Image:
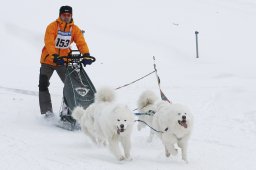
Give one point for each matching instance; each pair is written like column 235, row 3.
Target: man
column 58, row 37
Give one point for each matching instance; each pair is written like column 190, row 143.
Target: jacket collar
column 60, row 22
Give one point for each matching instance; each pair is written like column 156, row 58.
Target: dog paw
column 128, row 158
column 121, row 158
column 105, row 143
column 167, row 154
column 174, row 152
column 185, row 160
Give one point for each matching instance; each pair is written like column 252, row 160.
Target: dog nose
column 183, row 117
column 122, row 126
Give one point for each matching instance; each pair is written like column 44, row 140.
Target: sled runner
column 78, row 90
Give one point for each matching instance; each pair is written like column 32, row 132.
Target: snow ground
column 219, row 86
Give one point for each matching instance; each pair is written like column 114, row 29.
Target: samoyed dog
column 175, row 122
column 108, row 123
column 147, row 104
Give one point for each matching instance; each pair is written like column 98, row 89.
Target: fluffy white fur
column 107, row 122
column 146, row 103
column 175, row 121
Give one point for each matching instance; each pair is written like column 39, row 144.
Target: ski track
column 20, row 91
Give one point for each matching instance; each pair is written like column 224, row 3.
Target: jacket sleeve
column 49, row 38
column 80, row 41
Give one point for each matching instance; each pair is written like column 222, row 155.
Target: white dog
column 175, row 123
column 147, row 104
column 108, row 123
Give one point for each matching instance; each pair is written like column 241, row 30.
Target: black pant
column 46, row 72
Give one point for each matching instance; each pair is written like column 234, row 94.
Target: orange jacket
column 50, row 36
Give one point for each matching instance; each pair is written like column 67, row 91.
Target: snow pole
column 197, row 55
column 163, row 97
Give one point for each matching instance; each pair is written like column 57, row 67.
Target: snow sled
column 78, row 90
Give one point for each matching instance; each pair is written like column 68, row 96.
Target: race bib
column 63, row 39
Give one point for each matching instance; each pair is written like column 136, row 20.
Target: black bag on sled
column 78, row 88
column 78, row 91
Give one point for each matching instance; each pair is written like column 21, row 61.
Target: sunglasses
column 66, row 15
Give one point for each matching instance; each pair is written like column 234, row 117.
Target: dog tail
column 78, row 113
column 146, row 98
column 105, row 94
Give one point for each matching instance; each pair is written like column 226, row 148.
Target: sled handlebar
column 76, row 58
column 73, row 56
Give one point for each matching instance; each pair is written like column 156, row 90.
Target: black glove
column 87, row 59
column 58, row 60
